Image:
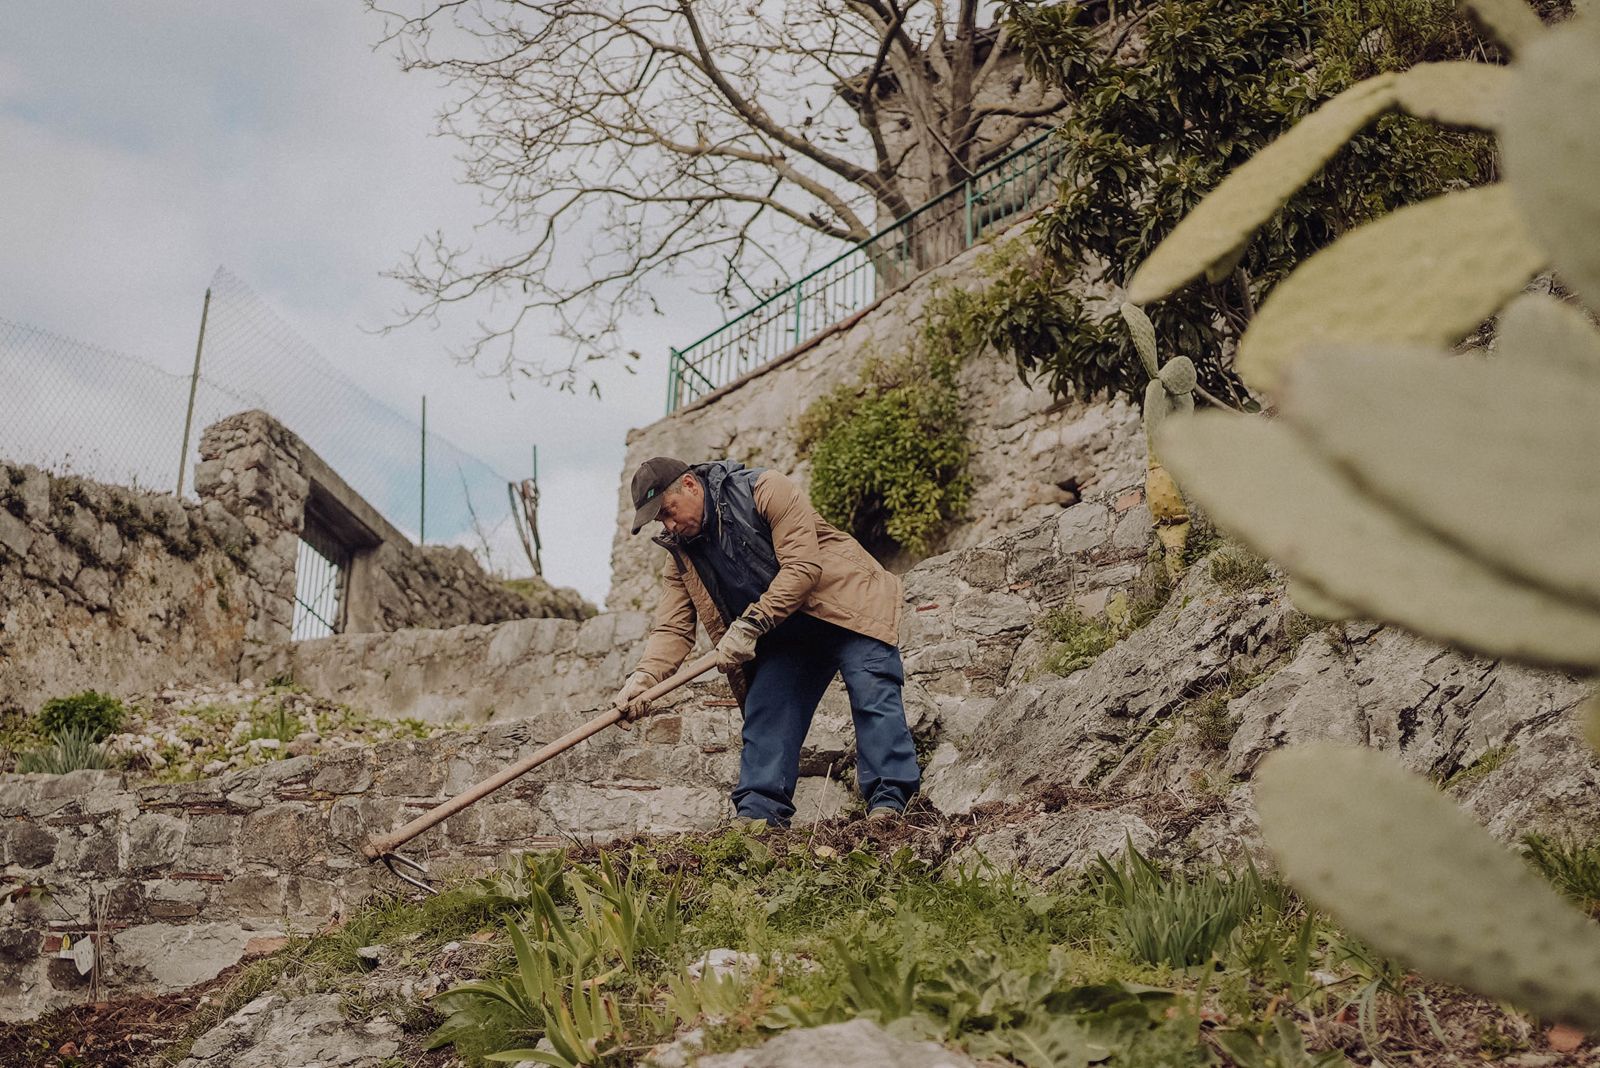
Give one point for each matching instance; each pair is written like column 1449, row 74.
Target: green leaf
column 1552, row 150
column 537, row 1056
column 1252, row 194
column 1519, row 490
column 1457, row 94
column 1405, row 869
column 1260, row 480
column 1144, row 337
column 1426, row 274
column 1511, row 22
column 1539, row 329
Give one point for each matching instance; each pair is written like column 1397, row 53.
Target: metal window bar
column 321, row 574
column 1019, row 182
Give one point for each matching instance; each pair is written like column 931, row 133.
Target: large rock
column 857, row 1043
column 307, row 1032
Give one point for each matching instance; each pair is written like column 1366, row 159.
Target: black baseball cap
column 649, row 482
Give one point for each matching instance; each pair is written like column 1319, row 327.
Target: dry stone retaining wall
column 103, row 586
column 1027, row 448
column 102, row 583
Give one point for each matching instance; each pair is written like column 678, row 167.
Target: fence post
column 672, row 379
column 194, row 382
column 422, row 510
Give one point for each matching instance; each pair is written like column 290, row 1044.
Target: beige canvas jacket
column 822, row 571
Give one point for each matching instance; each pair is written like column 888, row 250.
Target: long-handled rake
column 384, row 848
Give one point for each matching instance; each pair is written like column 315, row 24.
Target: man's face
column 682, row 508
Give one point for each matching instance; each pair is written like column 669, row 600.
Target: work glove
column 738, row 644
column 630, row 700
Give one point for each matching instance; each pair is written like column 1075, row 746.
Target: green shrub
column 889, row 453
column 70, row 749
column 97, row 714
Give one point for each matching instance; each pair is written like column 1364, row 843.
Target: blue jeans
column 793, row 665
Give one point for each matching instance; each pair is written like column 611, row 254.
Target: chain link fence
column 81, row 409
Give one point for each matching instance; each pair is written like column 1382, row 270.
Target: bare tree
column 618, row 141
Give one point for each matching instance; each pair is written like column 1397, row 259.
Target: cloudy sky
column 142, row 146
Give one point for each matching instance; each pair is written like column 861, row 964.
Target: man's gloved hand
column 738, row 644
column 629, row 699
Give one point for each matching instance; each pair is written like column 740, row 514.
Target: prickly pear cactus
column 1369, row 486
column 1399, row 864
column 1170, row 392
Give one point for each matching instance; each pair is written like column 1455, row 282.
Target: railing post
column 672, row 380
column 966, row 195
column 799, row 302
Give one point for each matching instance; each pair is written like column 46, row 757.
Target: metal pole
column 422, row 533
column 194, row 382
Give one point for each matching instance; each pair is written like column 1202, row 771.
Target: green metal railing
column 927, row 237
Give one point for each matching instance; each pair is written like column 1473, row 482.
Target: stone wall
column 202, row 874
column 264, row 473
column 107, row 587
column 101, row 583
column 1031, row 454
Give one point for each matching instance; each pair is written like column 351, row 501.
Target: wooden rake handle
column 376, row 848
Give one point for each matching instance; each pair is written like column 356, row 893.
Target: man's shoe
column 885, row 814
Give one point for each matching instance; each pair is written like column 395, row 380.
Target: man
column 790, row 601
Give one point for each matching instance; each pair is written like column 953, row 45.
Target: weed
column 70, row 749
column 1236, row 569
column 1213, row 727
column 1572, row 865
column 1178, row 921
column 1079, row 639
column 1491, row 759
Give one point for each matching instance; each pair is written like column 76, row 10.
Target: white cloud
column 146, row 146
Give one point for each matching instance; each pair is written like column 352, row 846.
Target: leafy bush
column 70, row 749
column 96, row 714
column 889, row 451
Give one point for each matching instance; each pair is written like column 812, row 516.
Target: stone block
column 251, row 894
column 983, row 569
column 27, row 845
column 15, row 537
column 993, row 613
column 1134, row 529
column 282, row 835
column 343, row 775
column 1083, row 528
column 154, row 841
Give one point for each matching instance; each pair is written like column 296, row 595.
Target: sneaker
column 885, row 814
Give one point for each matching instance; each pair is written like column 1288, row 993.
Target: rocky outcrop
column 273, row 1031
column 1167, row 727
